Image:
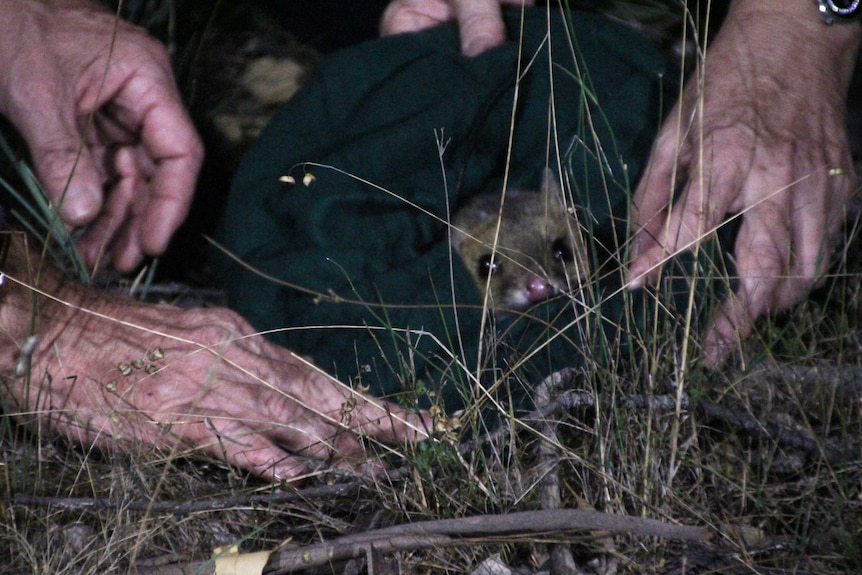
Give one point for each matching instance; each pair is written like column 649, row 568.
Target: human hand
column 765, row 139
column 95, row 99
column 113, row 372
column 480, row 21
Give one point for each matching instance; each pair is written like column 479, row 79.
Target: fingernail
column 473, row 47
column 128, row 261
column 79, row 205
column 635, row 247
column 88, row 251
column 715, row 349
column 478, row 44
column 637, row 279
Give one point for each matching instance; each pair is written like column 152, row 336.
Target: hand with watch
column 760, row 136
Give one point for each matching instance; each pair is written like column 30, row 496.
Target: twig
column 562, row 562
column 342, row 490
column 744, row 421
column 847, row 381
column 479, row 530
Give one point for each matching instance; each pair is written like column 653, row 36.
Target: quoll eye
column 487, row 267
column 562, row 251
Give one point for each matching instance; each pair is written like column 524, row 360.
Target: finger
column 96, row 242
column 110, row 131
column 167, row 141
column 762, row 258
column 818, row 217
column 481, row 25
column 701, row 207
column 65, row 166
column 650, row 204
column 135, row 170
column 403, row 16
column 173, row 145
column 344, row 442
column 314, row 437
column 729, row 324
column 810, row 232
column 244, row 447
column 389, row 423
column 364, row 465
column 341, row 406
column 323, row 433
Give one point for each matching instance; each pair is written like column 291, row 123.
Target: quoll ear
column 456, row 238
column 551, row 186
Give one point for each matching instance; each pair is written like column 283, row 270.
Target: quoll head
column 540, row 252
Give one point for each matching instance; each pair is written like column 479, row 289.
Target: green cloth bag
column 403, row 129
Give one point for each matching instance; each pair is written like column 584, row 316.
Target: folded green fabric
column 407, row 128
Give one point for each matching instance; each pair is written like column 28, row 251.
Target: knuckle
column 55, row 155
column 216, row 326
column 196, row 151
column 696, row 224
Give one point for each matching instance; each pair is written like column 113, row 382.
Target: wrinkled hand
column 765, row 139
column 67, row 63
column 204, row 383
column 480, row 21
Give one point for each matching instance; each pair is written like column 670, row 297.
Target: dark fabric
column 327, row 25
column 407, row 127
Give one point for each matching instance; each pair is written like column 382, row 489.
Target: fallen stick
column 478, row 530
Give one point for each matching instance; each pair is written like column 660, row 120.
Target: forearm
column 24, row 312
column 60, row 346
column 63, row 348
column 37, row 304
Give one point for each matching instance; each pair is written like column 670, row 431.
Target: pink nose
column 538, row 289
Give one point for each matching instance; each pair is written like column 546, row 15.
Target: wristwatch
column 839, row 10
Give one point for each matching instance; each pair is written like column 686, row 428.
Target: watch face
column 843, row 8
column 839, row 10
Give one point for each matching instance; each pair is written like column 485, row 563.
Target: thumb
column 481, row 25
column 67, row 171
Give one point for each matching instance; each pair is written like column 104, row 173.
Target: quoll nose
column 538, row 289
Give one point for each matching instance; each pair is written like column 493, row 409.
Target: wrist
column 772, row 29
column 805, row 14
column 29, row 318
column 57, row 356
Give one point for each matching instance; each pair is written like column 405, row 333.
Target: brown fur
column 539, row 246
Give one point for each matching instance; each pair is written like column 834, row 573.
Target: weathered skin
column 479, row 21
column 111, row 142
column 206, row 382
column 760, row 134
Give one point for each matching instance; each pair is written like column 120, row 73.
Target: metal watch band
column 839, row 10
